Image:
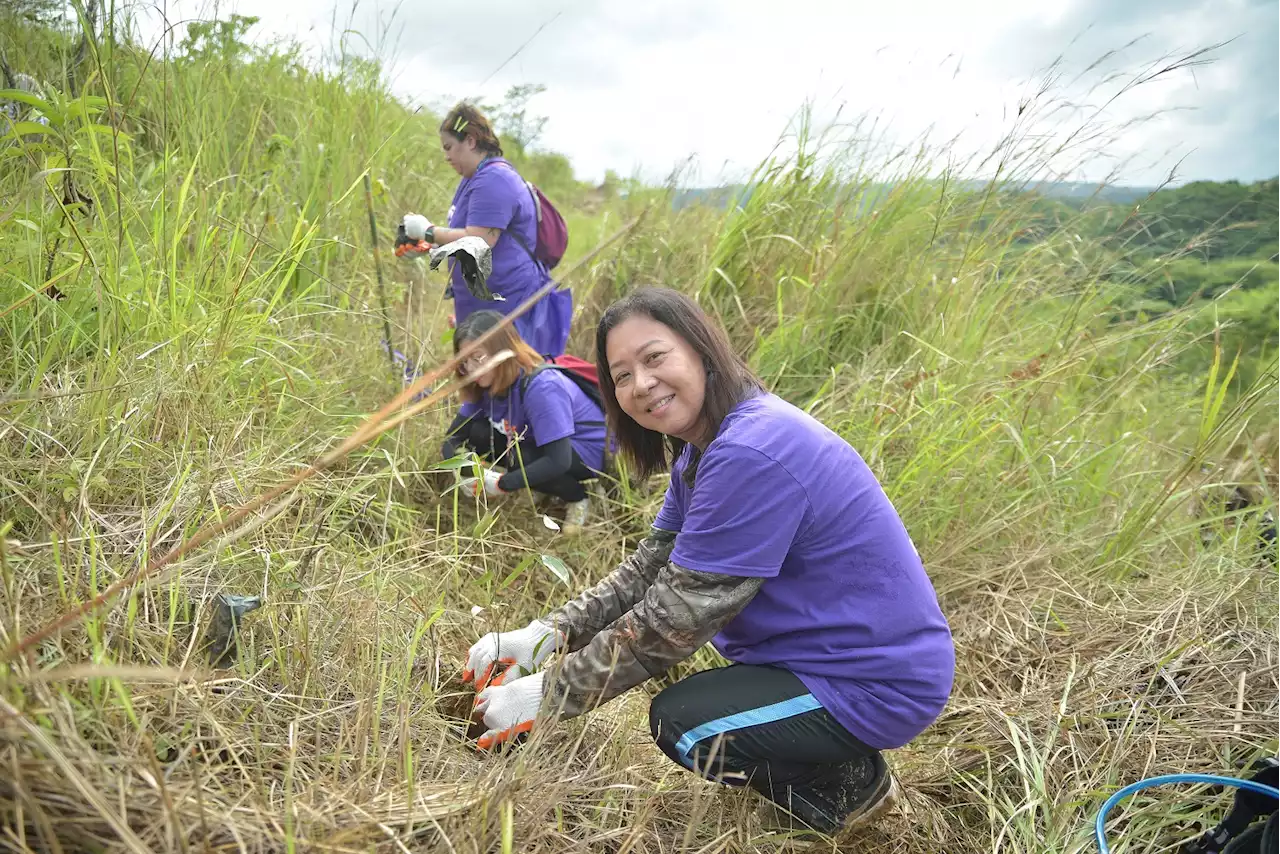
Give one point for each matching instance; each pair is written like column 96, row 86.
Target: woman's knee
column 478, row 434
column 675, row 715
column 678, row 709
column 660, row 720
column 483, row 439
column 665, row 724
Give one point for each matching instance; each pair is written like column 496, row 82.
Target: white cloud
column 641, row 87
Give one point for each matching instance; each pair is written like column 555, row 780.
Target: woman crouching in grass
column 776, row 544
column 527, row 417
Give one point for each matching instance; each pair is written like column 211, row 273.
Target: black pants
column 492, row 444
column 759, row 727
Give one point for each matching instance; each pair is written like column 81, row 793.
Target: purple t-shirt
column 847, row 605
column 553, row 408
column 496, row 197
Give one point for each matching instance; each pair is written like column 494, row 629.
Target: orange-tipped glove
column 503, row 657
column 509, row 710
column 488, row 484
column 412, row 239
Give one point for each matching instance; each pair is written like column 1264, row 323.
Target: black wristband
column 430, row 235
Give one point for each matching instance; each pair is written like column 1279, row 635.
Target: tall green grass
column 220, row 326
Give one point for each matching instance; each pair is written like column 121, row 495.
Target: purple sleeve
column 671, row 516
column 492, row 203
column 468, row 409
column 744, row 515
column 549, row 409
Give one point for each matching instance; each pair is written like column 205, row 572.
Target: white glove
column 521, row 651
column 411, row 236
column 509, row 710
column 488, row 483
column 415, row 226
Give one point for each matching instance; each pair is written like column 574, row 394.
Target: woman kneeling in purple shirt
column 776, row 544
column 529, row 417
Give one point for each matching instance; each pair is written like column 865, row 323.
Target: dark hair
column 729, row 380
column 504, row 375
column 465, row 120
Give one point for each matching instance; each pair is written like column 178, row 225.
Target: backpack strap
column 1247, row 807
column 525, row 246
column 529, row 375
column 607, row 455
column 1260, row 837
column 537, row 218
column 1270, row 834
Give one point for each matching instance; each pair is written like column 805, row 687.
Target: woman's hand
column 411, row 236
column 486, row 483
column 511, row 654
column 509, row 709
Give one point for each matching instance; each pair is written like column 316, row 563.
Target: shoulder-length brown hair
column 505, row 374
column 729, row 380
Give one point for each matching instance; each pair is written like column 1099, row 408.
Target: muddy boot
column 575, row 516
column 852, row 796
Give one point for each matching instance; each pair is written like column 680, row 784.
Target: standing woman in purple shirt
column 776, row 544
column 493, row 202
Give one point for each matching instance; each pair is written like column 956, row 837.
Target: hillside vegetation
column 1065, row 407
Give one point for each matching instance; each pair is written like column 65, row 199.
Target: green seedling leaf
column 520, row 569
column 557, row 567
column 537, row 648
column 452, row 464
column 484, row 524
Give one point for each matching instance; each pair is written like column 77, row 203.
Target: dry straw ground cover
column 218, row 330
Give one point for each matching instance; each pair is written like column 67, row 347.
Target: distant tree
column 222, row 39
column 550, row 171
column 513, row 120
column 611, row 185
column 1241, row 217
column 35, row 11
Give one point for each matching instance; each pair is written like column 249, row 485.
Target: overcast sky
column 642, row 87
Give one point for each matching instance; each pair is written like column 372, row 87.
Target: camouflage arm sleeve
column 679, row 613
column 596, row 608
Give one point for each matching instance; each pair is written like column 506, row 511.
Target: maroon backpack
column 553, row 233
column 582, row 372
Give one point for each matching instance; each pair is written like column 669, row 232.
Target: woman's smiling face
column 659, row 379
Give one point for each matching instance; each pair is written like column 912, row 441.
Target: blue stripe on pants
column 742, row 720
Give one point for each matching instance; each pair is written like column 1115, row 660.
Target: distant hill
column 1078, row 191
column 1082, row 190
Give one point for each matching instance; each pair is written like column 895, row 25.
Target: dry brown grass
column 336, row 732
column 1037, row 445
